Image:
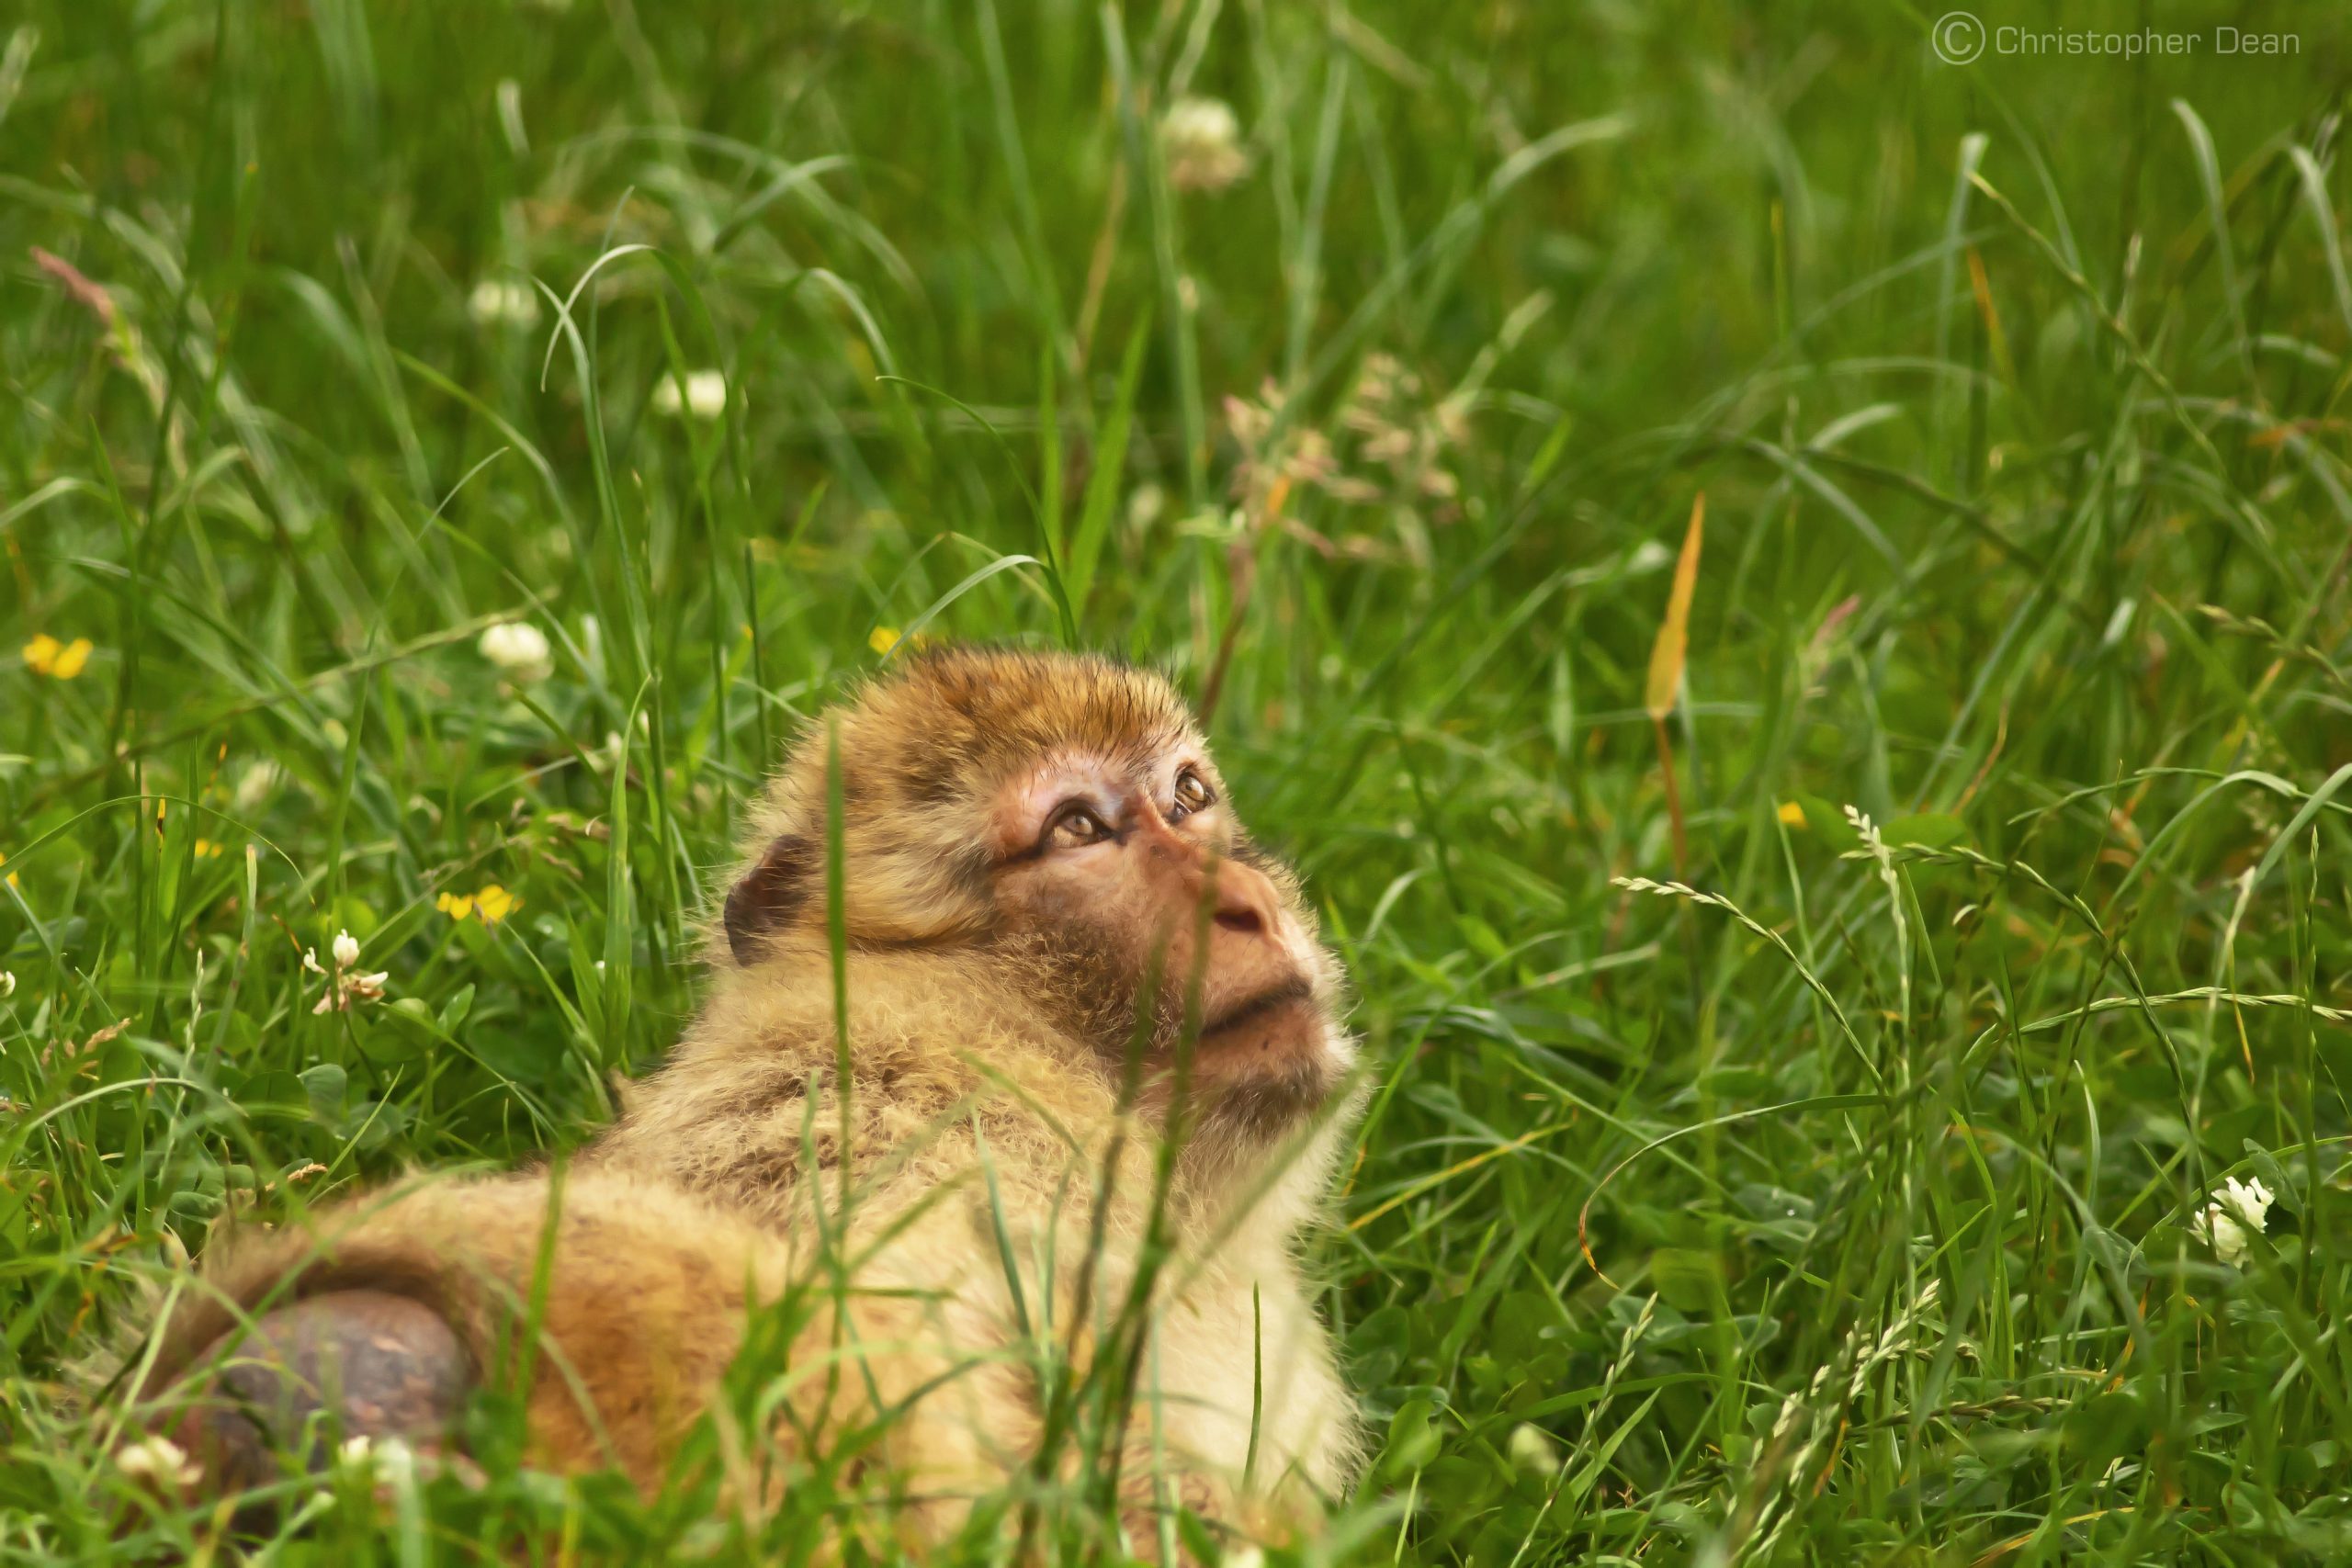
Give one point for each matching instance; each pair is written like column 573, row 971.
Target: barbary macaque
column 1097, row 1076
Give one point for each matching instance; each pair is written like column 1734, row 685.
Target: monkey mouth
column 1263, row 1065
column 1262, row 1060
column 1260, row 1009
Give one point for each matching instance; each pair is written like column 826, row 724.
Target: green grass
column 1839, row 1216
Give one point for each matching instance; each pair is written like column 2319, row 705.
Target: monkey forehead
column 927, row 747
column 975, row 716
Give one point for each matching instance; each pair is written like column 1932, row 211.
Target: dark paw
column 316, row 1373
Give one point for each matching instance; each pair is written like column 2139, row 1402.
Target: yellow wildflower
column 1792, row 814
column 207, row 849
column 882, row 639
column 58, row 660
column 12, row 875
column 492, row 903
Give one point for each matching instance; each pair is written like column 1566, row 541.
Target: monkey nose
column 1244, row 901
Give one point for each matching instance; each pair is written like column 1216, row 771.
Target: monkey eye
column 1192, row 794
column 1075, row 826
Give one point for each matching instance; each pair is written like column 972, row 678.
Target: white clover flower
column 2219, row 1232
column 1145, row 506
column 2239, row 1209
column 346, row 985
column 705, row 394
column 503, row 301
column 386, row 1458
column 255, row 785
column 1533, row 1449
column 1201, row 139
column 7, row 985
column 349, row 989
column 520, row 651
column 158, row 1459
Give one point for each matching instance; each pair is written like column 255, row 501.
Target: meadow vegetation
column 1808, row 1164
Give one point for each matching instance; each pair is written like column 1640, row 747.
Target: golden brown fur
column 984, row 1116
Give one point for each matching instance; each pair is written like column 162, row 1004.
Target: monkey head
column 1061, row 819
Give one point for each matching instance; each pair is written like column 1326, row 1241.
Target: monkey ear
column 768, row 895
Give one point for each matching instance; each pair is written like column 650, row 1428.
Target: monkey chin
column 1267, row 1064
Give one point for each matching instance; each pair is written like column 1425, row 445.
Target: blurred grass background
column 1849, row 1223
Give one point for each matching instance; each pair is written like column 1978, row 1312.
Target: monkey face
column 1112, row 867
column 1060, row 817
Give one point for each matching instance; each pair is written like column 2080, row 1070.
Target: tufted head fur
column 924, row 750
